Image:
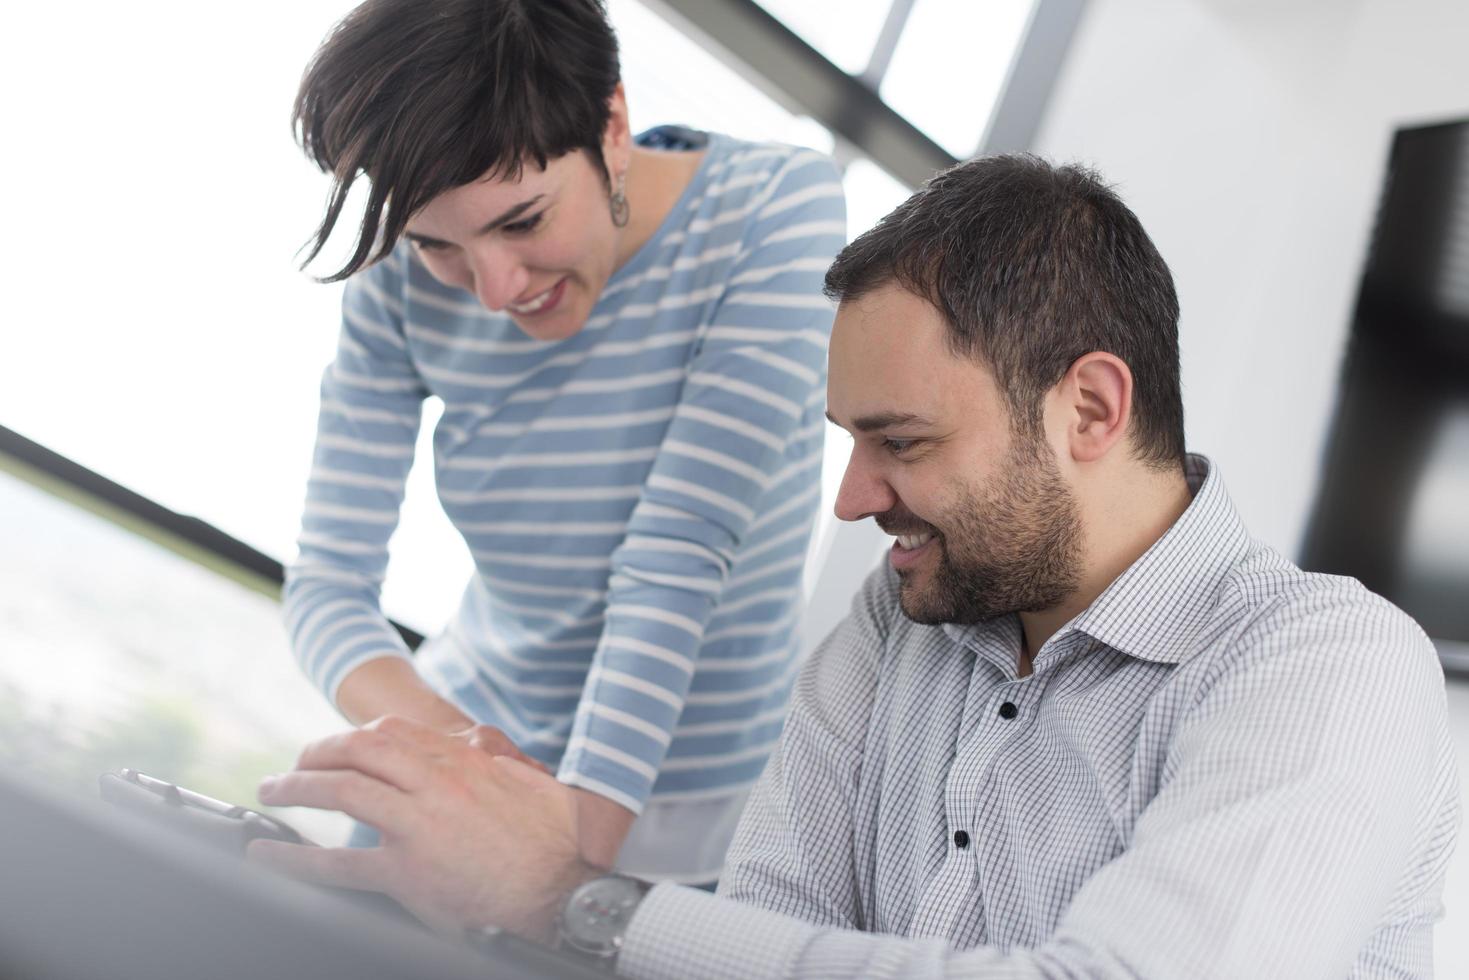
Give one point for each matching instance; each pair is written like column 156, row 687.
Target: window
column 847, row 40
column 163, row 335
column 950, row 67
column 145, row 662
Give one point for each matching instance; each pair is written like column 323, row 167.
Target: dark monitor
column 1393, row 504
column 89, row 892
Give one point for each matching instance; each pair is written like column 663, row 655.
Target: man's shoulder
column 1303, row 622
column 1273, row 592
column 875, row 643
column 872, row 617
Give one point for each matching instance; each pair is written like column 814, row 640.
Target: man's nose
column 863, row 492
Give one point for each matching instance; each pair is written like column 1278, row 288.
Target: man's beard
column 1012, row 546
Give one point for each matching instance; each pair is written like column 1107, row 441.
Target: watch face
column 598, row 912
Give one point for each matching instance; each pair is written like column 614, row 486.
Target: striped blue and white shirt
column 1224, row 767
column 638, row 498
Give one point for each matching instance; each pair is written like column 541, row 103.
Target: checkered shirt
column 1224, row 767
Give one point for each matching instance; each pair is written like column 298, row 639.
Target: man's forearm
column 687, row 934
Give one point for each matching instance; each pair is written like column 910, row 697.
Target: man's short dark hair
column 1033, row 266
column 422, row 96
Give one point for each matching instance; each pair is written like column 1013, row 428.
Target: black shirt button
column 1008, row 711
column 961, row 839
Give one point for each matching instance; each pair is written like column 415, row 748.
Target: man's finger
column 369, row 800
column 338, row 867
column 384, row 754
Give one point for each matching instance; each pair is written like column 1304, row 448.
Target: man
column 1079, row 724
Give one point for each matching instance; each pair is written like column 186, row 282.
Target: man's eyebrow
column 883, row 420
column 488, row 226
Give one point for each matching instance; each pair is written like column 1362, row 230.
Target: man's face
column 985, row 523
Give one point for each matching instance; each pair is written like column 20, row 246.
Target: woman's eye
column 522, row 226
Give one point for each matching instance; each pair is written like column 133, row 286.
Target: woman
column 629, row 338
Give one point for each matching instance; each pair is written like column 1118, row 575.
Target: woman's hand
column 470, row 836
column 601, row 827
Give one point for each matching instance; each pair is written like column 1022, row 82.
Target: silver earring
column 618, row 202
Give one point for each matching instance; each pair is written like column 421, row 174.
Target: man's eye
column 897, row 446
column 522, row 226
column 429, row 246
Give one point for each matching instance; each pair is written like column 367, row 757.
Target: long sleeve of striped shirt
column 371, row 405
column 637, row 498
column 745, row 435
column 1224, row 767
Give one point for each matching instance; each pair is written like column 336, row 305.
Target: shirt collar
column 1154, row 610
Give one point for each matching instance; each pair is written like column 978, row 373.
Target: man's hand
column 490, row 740
column 468, row 838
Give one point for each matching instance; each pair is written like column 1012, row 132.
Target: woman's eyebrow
column 509, row 215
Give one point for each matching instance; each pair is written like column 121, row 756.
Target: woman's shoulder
column 760, row 164
column 745, row 184
column 751, row 163
column 747, row 193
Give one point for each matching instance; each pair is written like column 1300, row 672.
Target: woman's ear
column 1094, row 402
column 617, row 137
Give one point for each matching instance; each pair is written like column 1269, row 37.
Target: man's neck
column 1120, row 521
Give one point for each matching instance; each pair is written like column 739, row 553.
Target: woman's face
column 539, row 248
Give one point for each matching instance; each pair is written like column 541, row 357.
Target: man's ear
column 1094, row 402
column 617, row 137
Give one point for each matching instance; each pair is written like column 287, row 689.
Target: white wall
column 1250, row 137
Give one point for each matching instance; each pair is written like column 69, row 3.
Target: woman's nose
column 499, row 278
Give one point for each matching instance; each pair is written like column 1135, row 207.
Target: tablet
column 204, row 818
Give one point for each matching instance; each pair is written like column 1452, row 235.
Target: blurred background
column 1303, row 166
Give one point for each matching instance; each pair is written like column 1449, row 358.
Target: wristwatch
column 595, row 917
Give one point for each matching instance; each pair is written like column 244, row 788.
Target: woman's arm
column 601, row 827
column 390, row 686
column 371, row 402
column 747, row 423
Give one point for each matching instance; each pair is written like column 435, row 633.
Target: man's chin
column 916, row 604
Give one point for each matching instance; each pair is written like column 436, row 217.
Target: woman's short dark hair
column 1034, row 266
column 422, row 96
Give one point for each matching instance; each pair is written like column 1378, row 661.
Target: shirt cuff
column 679, row 933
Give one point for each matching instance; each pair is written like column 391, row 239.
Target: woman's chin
column 557, row 328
